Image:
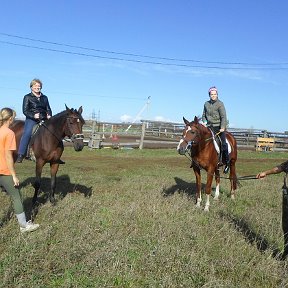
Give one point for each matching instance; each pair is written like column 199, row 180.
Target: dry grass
column 126, row 218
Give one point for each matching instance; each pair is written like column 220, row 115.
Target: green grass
column 126, row 218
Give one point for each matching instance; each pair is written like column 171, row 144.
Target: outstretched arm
column 274, row 170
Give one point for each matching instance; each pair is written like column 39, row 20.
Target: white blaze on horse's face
column 179, row 144
column 183, row 143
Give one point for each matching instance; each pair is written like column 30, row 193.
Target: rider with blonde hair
column 36, row 108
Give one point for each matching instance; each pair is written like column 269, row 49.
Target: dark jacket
column 214, row 114
column 32, row 105
column 284, row 166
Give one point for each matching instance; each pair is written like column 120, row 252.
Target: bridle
column 192, row 142
column 74, row 136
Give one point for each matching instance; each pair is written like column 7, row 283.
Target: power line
column 140, row 55
column 83, row 95
column 148, row 62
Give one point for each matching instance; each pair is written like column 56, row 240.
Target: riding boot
column 20, row 158
column 60, row 161
column 226, row 161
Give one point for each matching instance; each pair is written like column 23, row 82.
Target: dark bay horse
column 47, row 143
column 198, row 141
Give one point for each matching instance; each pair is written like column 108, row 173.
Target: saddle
column 30, row 154
column 218, row 146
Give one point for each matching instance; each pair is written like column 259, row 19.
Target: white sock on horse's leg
column 217, row 192
column 207, row 204
column 198, row 203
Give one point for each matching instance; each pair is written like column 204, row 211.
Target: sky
column 126, row 60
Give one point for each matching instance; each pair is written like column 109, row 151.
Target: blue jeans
column 28, row 127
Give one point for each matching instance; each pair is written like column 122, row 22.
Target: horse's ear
column 80, row 110
column 67, row 107
column 185, row 121
column 196, row 120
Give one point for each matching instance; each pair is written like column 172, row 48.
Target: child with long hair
column 8, row 177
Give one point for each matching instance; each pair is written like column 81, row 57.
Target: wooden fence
column 155, row 134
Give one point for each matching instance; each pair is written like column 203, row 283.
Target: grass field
column 127, row 218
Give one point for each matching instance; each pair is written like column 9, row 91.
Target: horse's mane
column 65, row 113
column 199, row 125
column 60, row 114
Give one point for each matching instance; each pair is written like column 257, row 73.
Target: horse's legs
column 198, row 186
column 53, row 170
column 217, row 189
column 208, row 189
column 37, row 183
column 233, row 180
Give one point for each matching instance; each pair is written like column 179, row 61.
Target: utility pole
column 139, row 113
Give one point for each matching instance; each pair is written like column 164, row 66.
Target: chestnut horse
column 198, row 141
column 47, row 143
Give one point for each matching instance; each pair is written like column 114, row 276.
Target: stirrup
column 20, row 158
column 226, row 168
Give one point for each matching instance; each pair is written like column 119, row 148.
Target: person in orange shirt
column 8, row 177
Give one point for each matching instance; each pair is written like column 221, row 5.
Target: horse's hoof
column 206, row 209
column 216, row 198
column 233, row 197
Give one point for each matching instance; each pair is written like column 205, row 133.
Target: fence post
column 142, row 136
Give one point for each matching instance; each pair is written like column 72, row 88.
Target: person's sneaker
column 20, row 158
column 29, row 227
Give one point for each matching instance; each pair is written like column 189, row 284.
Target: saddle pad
column 217, row 146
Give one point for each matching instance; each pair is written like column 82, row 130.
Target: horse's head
column 190, row 136
column 73, row 127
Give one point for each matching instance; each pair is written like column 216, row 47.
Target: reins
column 213, row 136
column 42, row 123
column 73, row 137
